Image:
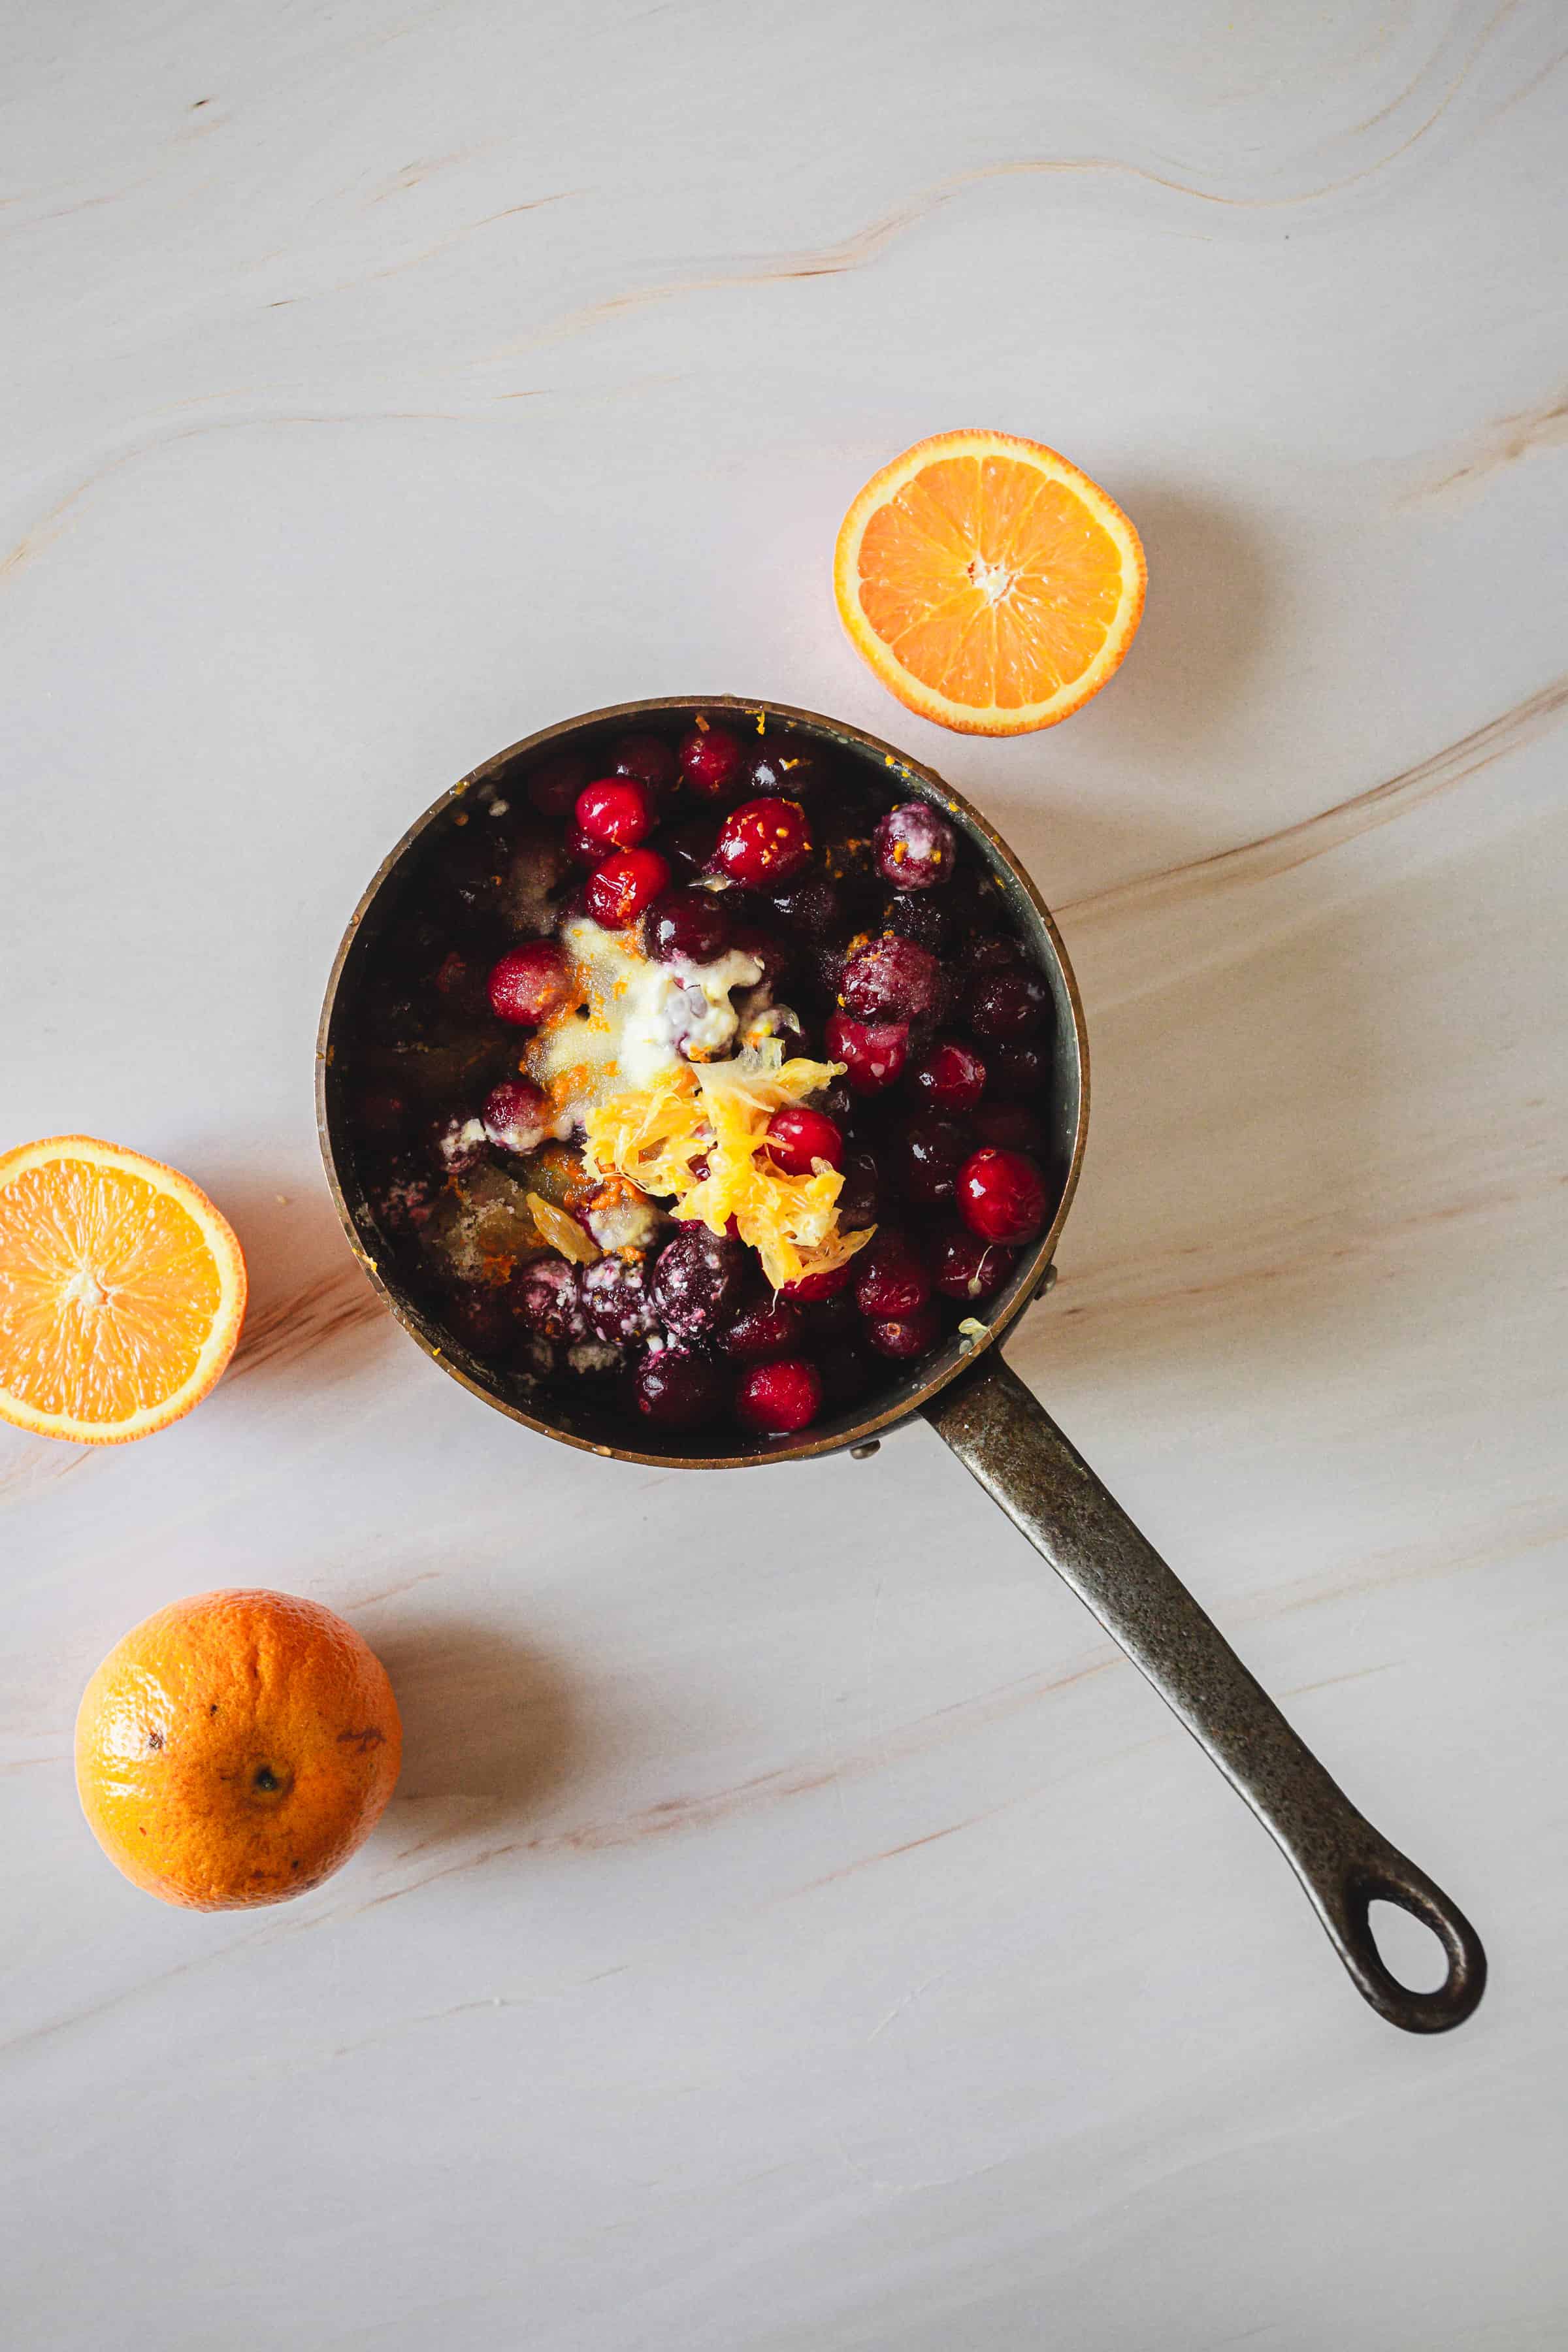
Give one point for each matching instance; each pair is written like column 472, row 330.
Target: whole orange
column 236, row 1749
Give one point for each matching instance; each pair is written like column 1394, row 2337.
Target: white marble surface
column 794, row 1927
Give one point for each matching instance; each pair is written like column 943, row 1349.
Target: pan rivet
column 1048, row 1280
column 864, row 1452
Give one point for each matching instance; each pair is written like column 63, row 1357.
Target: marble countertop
column 795, row 1927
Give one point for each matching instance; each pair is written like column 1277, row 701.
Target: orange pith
column 991, row 586
column 121, row 1291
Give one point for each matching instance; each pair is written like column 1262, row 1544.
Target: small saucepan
column 967, row 1392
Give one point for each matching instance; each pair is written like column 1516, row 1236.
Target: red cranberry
column 689, row 847
column 891, row 980
column 915, row 847
column 676, row 1390
column 779, row 1398
column 1002, row 1196
column 553, row 788
column 859, row 1194
column 647, row 757
column 624, row 885
column 529, row 983
column 687, row 926
column 796, row 1137
column 515, row 1116
column 890, row 1279
column 1012, row 1127
column 790, row 764
column 1018, row 1070
column 617, row 812
column 811, row 908
column 903, row 1336
column 931, row 1152
column 873, row 1053
column 713, row 762
column 967, row 1267
column 810, row 1289
column 918, row 916
column 582, row 846
column 951, row 1076
column 697, row 1281
column 772, row 1329
column 763, row 841
column 617, row 1303
column 1008, row 1004
column 548, row 1296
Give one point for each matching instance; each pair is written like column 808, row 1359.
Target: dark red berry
column 965, row 1266
column 697, row 1281
column 515, row 1116
column 616, row 1301
column 770, row 1330
column 713, row 762
column 1011, row 1126
column 812, row 908
column 688, row 926
column 903, row 1336
column 647, row 758
column 950, row 1076
column 528, row 982
column 1009, row 1002
column 582, row 846
column 812, row 1288
column 932, row 1150
column 553, row 788
column 764, row 947
column 763, row 843
column 797, row 1137
column 620, row 888
column 458, row 1144
column 790, row 764
column 689, row 847
column 859, row 1194
column 1018, row 1070
column 919, row 915
column 915, row 847
column 891, row 979
column 1001, row 1195
column 676, row 1390
column 873, row 1053
column 548, row 1296
column 617, row 812
column 779, row 1398
column 990, row 951
column 890, row 1279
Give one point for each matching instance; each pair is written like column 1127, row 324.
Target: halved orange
column 992, row 586
column 121, row 1291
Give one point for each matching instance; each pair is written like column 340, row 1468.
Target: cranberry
column 548, row 1296
column 624, row 885
column 811, row 908
column 515, row 1116
column 697, row 1281
column 933, row 1150
column 891, row 980
column 873, row 1053
column 835, row 1101
column 456, row 1146
column 890, row 1279
column 765, row 949
column 770, row 1330
column 553, row 788
column 676, row 1390
column 528, row 982
column 1009, row 1002
column 687, row 925
column 796, row 1137
column 1018, row 1070
column 647, row 758
column 1011, row 1126
column 582, row 846
column 845, row 1375
column 812, row 1288
column 967, row 1267
column 991, row 951
column 903, row 1336
column 1002, row 1196
column 787, row 764
column 763, row 841
column 713, row 762
column 858, row 1194
column 779, row 1398
column 951, row 1076
column 689, row 847
column 920, row 918
column 915, row 847
column 617, row 1303
column 617, row 812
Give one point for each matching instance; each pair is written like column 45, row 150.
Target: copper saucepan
column 967, row 1393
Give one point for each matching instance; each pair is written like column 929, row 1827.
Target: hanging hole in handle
column 1413, row 1953
column 1389, row 1880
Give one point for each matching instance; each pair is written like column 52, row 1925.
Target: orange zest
column 992, row 586
column 122, row 1292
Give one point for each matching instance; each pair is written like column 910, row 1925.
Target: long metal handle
column 1010, row 1443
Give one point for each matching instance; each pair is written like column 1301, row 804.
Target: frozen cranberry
column 916, row 915
column 763, row 841
column 647, row 757
column 811, row 908
column 990, row 951
column 903, row 1336
column 873, row 1053
column 965, row 1266
column 620, row 888
column 1018, row 1070
column 790, row 764
column 697, row 1281
column 859, row 1193
column 1011, row 1126
column 676, row 1390
column 950, row 1076
column 889, row 1277
column 553, row 788
column 846, row 1375
column 1002, row 1195
column 515, row 1116
column 689, row 848
column 687, row 925
column 548, row 1296
column 932, row 1150
column 617, row 812
column 891, row 980
column 915, row 847
column 528, row 982
column 616, row 1301
column 1009, row 1002
column 779, row 1398
column 458, row 1144
column 772, row 1329
column 713, row 762
column 812, row 1288
column 797, row 1137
